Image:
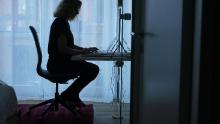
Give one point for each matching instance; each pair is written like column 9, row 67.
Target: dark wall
column 187, row 57
column 209, row 65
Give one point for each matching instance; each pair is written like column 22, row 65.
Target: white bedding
column 8, row 102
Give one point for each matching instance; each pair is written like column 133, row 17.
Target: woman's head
column 68, row 9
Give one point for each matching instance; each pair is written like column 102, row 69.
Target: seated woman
column 61, row 47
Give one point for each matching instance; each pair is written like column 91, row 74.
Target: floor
column 108, row 113
column 105, row 113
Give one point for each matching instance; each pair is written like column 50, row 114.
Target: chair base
column 54, row 106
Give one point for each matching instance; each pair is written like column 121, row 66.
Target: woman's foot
column 72, row 105
column 69, row 103
column 75, row 100
column 79, row 103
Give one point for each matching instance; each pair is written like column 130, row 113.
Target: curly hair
column 65, row 7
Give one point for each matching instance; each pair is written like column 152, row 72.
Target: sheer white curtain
column 95, row 26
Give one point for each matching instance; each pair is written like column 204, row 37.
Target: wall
column 156, row 69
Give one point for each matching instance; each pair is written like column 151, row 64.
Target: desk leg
column 117, row 102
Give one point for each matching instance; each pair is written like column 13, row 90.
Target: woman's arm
column 78, row 47
column 63, row 47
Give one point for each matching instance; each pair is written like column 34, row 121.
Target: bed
column 8, row 105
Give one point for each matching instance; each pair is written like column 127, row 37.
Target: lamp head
column 120, row 2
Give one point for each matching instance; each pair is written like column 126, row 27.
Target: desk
column 119, row 58
column 103, row 57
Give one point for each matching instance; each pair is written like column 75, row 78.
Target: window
column 95, row 26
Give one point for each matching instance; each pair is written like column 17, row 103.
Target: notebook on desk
column 103, row 55
column 106, row 53
column 99, row 53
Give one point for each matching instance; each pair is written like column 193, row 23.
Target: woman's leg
column 86, row 72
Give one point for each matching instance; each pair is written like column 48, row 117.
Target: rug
column 63, row 116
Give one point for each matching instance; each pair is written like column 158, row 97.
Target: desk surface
column 103, row 57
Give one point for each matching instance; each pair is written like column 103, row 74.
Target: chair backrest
column 39, row 69
column 56, row 78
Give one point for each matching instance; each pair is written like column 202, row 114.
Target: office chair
column 57, row 79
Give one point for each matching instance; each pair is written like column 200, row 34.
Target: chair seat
column 55, row 78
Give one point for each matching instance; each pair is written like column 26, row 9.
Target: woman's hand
column 93, row 49
column 89, row 50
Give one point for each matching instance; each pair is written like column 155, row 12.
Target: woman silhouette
column 61, row 47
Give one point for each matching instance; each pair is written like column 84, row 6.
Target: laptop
column 100, row 53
